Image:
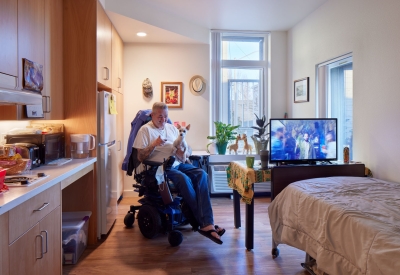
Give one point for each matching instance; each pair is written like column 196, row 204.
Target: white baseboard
column 130, row 193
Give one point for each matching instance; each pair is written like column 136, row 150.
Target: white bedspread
column 350, row 225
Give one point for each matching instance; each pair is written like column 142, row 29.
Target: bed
column 349, row 225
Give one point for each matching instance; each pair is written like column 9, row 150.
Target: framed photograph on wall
column 301, row 90
column 171, row 94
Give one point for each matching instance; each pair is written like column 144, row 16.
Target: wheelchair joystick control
column 168, row 163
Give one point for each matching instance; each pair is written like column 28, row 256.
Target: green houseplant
column 260, row 139
column 224, row 133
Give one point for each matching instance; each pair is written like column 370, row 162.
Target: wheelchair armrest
column 152, row 163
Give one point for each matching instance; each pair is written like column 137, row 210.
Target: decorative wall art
column 171, row 94
column 301, row 90
column 147, row 88
column 197, row 84
column 33, row 76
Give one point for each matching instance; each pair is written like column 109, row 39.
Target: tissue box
column 75, row 227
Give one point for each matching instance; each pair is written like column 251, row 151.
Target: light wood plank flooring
column 126, row 251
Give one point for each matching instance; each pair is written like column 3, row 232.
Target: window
column 239, row 79
column 335, row 97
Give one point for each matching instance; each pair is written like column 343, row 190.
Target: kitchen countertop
column 66, row 174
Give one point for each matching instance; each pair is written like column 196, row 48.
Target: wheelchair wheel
column 175, row 238
column 149, row 221
column 129, row 219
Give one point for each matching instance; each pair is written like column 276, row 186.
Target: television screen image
column 303, row 140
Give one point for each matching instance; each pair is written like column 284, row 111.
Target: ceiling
column 189, row 21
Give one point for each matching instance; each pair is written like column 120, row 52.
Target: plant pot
column 260, row 144
column 221, row 148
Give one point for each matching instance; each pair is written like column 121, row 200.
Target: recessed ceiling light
column 141, row 34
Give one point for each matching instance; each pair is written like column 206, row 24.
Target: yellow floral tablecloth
column 241, row 178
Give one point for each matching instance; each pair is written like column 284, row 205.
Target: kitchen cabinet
column 104, row 36
column 30, row 33
column 38, row 251
column 117, row 57
column 53, row 92
column 35, row 235
column 4, row 256
column 8, row 45
column 34, row 31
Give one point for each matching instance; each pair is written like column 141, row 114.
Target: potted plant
column 260, row 139
column 224, row 133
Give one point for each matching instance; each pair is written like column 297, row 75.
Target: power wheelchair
column 154, row 216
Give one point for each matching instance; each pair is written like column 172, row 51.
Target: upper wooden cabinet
column 53, row 91
column 104, row 34
column 34, row 31
column 117, row 57
column 8, row 35
column 30, row 34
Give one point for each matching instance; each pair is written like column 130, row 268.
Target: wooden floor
column 126, row 251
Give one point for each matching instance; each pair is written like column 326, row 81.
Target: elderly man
column 154, row 142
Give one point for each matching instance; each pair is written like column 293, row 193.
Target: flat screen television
column 302, row 140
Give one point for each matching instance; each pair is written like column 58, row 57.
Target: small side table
column 241, row 179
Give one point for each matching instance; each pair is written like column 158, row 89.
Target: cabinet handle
column 120, row 145
column 43, row 206
column 41, row 249
column 119, row 82
column 49, row 106
column 45, row 231
column 107, row 74
column 48, row 103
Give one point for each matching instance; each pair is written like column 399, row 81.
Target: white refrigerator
column 106, row 163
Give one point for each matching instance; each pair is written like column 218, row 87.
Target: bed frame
column 282, row 176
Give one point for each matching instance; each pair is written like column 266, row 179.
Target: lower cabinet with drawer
column 35, row 235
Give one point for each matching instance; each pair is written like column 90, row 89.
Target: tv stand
column 283, row 175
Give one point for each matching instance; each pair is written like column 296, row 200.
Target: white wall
column 370, row 30
column 278, row 100
column 168, row 63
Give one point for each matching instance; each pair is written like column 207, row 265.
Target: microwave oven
column 51, row 146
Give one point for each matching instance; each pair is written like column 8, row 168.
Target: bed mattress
column 350, row 225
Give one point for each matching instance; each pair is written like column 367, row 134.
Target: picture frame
column 301, row 90
column 171, row 94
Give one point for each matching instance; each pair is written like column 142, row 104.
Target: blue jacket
column 142, row 117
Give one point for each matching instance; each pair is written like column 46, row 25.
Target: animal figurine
column 247, row 149
column 180, row 143
column 235, row 146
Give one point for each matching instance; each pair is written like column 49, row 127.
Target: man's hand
column 145, row 152
column 158, row 142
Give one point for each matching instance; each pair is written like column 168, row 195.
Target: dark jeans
column 192, row 183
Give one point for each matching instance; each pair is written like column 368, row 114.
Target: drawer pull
column 45, row 231
column 43, row 206
column 41, row 249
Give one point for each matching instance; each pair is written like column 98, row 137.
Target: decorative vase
column 221, row 148
column 260, row 144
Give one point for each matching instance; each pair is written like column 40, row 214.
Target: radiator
column 219, row 182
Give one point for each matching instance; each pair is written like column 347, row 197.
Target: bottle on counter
column 346, row 154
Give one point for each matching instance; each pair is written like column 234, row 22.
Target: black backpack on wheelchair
column 154, row 215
